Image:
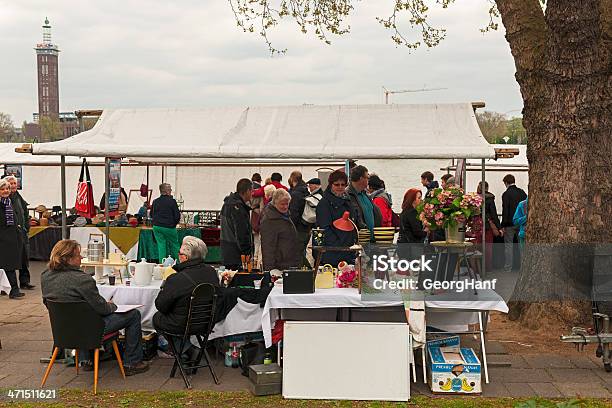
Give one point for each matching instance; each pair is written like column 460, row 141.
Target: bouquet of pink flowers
column 448, row 207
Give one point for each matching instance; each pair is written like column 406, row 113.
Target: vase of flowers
column 450, row 209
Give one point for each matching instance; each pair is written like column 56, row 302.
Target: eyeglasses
column 339, row 184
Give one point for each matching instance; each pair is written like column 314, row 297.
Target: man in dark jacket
column 367, row 214
column 427, row 180
column 22, row 219
column 299, row 192
column 172, row 302
column 165, row 214
column 236, row 233
column 510, row 200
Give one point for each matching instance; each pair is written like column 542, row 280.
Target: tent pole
column 347, row 167
column 106, row 199
column 63, row 188
column 484, row 222
column 147, row 196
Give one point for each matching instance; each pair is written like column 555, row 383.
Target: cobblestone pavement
column 25, row 334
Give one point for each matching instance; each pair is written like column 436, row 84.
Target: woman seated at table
column 332, row 206
column 172, row 302
column 279, row 243
column 64, row 281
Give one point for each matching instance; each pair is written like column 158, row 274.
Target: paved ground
column 26, row 337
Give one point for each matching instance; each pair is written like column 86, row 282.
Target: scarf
column 368, row 209
column 9, row 214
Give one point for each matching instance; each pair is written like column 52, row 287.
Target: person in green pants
column 165, row 215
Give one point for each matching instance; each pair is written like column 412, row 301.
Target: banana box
column 453, row 369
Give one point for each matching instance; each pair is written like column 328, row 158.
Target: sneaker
column 17, row 296
column 27, row 286
column 136, row 369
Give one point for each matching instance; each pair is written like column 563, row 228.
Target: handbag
column 250, row 354
column 84, row 199
column 255, row 219
column 494, row 228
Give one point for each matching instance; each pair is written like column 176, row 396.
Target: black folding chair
column 200, row 322
column 75, row 325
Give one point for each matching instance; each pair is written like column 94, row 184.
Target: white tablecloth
column 5, row 285
column 81, row 235
column 134, row 295
column 349, row 297
column 243, row 318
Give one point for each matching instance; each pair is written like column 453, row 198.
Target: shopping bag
column 84, row 199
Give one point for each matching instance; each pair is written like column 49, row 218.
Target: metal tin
column 95, row 251
column 265, row 374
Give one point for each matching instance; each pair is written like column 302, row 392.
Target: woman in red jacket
column 381, row 198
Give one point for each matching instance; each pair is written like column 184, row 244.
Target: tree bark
column 563, row 68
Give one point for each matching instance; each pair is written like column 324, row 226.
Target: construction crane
column 388, row 92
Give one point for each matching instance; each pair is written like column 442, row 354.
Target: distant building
column 48, row 93
column 48, row 84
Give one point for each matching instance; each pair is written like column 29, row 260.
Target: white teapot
column 142, row 272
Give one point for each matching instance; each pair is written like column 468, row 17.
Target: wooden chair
column 200, row 322
column 75, row 325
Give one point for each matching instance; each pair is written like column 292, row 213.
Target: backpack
column 395, row 219
column 309, row 216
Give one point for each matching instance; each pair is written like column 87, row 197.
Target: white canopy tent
column 443, row 131
column 284, row 132
column 433, row 131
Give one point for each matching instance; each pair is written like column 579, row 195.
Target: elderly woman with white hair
column 172, row 302
column 20, row 206
column 11, row 240
column 166, row 215
column 279, row 241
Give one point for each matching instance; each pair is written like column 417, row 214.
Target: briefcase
column 298, row 281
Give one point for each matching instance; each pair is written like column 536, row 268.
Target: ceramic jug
column 142, row 272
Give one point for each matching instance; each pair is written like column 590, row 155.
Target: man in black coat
column 172, row 302
column 236, row 232
column 510, row 200
column 173, row 299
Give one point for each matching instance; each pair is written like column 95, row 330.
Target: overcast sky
column 190, row 53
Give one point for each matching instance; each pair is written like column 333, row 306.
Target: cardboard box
column 453, row 369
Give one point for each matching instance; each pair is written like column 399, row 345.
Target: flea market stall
column 310, row 133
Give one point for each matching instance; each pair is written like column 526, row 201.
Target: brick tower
column 48, row 85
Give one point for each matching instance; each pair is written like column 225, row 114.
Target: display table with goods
column 244, row 317
column 42, row 240
column 444, row 312
column 147, row 246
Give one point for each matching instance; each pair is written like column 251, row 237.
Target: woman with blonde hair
column 11, row 240
column 279, row 240
column 64, row 281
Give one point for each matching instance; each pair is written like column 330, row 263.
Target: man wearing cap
column 314, row 184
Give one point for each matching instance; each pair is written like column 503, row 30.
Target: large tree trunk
column 563, row 67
